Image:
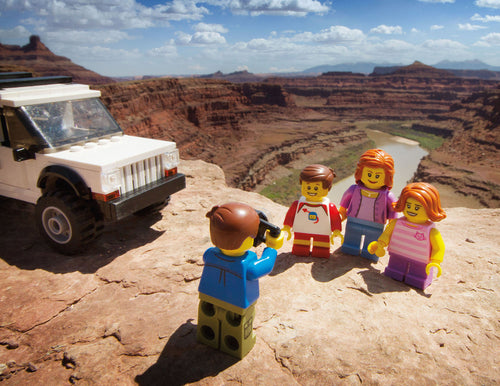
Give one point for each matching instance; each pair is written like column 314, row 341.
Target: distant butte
column 35, row 57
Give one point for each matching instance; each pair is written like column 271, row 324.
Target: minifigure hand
column 286, row 229
column 275, row 242
column 376, row 247
column 433, row 265
column 337, row 234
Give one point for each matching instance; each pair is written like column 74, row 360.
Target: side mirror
column 23, row 154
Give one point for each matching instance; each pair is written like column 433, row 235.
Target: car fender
column 68, row 175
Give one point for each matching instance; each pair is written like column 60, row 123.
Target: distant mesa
column 415, row 69
column 235, row 77
column 35, row 57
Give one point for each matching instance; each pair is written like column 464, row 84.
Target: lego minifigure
column 229, row 286
column 415, row 246
column 368, row 204
column 313, row 216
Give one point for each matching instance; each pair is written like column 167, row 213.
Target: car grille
column 139, row 174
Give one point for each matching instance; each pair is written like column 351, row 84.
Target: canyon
column 124, row 311
column 259, row 131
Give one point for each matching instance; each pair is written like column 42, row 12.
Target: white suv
column 63, row 151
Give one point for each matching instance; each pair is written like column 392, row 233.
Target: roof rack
column 30, row 81
column 14, row 75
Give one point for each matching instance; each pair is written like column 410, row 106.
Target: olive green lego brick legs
column 230, row 331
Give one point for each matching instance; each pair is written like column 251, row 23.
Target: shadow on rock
column 325, row 270
column 184, row 360
column 22, row 245
column 285, row 261
column 377, row 282
column 322, row 270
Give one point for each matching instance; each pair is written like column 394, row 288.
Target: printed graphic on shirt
column 313, row 216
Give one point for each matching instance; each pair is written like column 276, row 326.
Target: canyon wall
column 469, row 161
column 407, row 93
column 253, row 129
column 226, row 123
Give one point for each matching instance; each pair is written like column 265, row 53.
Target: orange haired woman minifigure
column 367, row 205
column 415, row 246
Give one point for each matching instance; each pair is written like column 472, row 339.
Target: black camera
column 264, row 225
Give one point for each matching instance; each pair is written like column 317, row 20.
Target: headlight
column 111, row 180
column 170, row 160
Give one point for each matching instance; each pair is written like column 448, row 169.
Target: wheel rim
column 56, row 225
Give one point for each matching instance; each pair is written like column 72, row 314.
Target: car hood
column 115, row 152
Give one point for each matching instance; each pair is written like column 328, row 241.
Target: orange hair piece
column 427, row 195
column 376, row 158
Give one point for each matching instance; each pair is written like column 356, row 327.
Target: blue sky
column 147, row 37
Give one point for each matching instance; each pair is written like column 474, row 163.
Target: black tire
column 67, row 222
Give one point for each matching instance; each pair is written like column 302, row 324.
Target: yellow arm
column 437, row 252
column 288, row 230
column 378, row 247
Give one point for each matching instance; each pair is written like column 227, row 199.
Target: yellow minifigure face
column 313, row 191
column 415, row 212
column 373, row 178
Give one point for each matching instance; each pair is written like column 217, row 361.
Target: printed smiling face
column 313, row 191
column 415, row 212
column 373, row 178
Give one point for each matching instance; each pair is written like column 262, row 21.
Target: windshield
column 67, row 122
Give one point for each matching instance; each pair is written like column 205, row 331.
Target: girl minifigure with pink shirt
column 414, row 244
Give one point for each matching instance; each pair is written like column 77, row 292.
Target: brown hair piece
column 376, row 158
column 318, row 173
column 427, row 195
column 231, row 224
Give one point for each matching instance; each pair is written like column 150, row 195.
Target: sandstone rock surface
column 124, row 312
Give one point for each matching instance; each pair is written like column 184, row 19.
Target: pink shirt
column 411, row 240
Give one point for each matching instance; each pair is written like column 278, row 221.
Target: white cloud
column 113, row 14
column 167, row 50
column 99, row 53
column 436, row 27
column 485, row 19
column 470, row 27
column 200, row 38
column 488, row 3
column 334, row 34
column 203, row 27
column 492, row 39
column 272, row 7
column 387, row 30
column 443, row 44
column 18, row 33
column 391, row 47
column 87, row 37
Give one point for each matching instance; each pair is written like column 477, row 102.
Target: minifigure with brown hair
column 415, row 246
column 229, row 285
column 313, row 219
